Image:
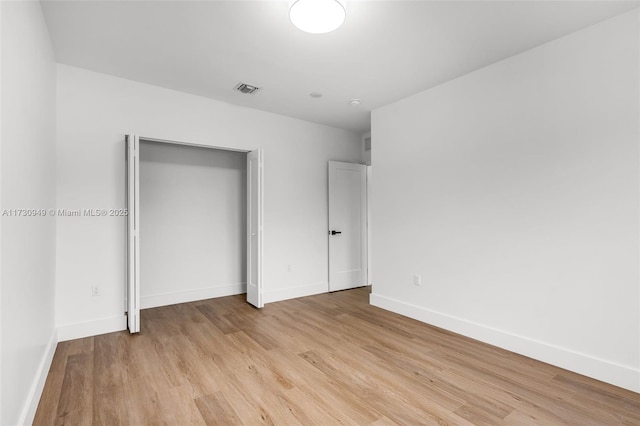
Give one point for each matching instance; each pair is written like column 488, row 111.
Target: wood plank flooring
column 320, row 360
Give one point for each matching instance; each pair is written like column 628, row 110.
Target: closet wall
column 96, row 110
column 192, row 223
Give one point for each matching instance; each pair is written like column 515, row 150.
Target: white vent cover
column 247, row 89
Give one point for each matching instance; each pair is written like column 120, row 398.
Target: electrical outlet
column 95, row 291
column 417, row 280
column 289, row 268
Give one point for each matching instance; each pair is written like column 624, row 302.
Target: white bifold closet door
column 133, row 232
column 254, row 229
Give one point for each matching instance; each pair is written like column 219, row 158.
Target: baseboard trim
column 164, row 299
column 294, row 292
column 92, row 328
column 35, row 392
column 587, row 365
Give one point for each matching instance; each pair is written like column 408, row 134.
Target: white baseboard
column 600, row 369
column 35, row 392
column 164, row 299
column 92, row 328
column 293, row 292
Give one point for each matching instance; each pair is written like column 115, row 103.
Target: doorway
column 175, row 201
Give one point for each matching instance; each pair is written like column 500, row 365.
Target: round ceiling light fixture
column 355, row 102
column 315, row 95
column 317, row 16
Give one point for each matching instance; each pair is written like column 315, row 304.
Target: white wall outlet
column 95, row 291
column 289, row 268
column 417, row 280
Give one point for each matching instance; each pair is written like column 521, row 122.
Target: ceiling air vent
column 246, row 88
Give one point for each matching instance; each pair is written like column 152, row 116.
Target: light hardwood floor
column 321, row 360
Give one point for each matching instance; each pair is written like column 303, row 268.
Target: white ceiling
column 386, row 50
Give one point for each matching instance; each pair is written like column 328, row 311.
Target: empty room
column 319, row 212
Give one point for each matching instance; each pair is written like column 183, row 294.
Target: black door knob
column 335, row 232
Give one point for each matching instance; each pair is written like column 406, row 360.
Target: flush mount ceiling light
column 355, row 102
column 317, row 16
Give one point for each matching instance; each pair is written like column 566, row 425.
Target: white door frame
column 132, row 291
column 369, row 260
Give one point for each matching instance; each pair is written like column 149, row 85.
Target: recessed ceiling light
column 315, row 94
column 355, row 102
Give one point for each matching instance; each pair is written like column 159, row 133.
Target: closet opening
column 194, row 229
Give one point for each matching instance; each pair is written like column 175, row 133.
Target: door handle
column 335, row 232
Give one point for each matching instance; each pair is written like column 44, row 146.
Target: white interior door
column 133, row 234
column 347, row 225
column 254, row 227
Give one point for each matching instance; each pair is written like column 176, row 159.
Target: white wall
column 27, row 260
column 94, row 112
column 193, row 209
column 513, row 191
